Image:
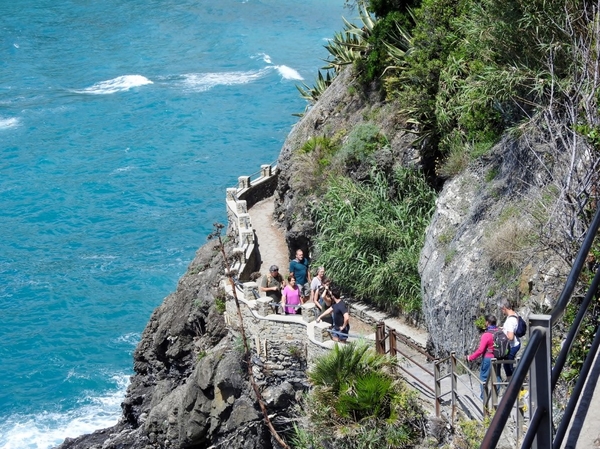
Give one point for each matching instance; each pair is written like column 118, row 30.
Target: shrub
column 369, row 236
column 508, row 242
column 357, row 402
column 361, row 143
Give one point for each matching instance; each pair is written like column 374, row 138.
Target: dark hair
column 491, row 319
column 335, row 291
column 291, row 276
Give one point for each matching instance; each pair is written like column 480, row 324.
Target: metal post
column 438, row 388
column 392, row 335
column 454, row 384
column 540, row 393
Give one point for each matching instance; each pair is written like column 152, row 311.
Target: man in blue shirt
column 299, row 268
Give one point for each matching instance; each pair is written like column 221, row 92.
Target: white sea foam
column 118, row 84
column 131, row 338
column 121, row 169
column 288, row 73
column 6, row 123
column 200, row 82
column 48, row 429
column 265, row 57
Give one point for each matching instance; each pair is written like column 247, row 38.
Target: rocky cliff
column 189, row 387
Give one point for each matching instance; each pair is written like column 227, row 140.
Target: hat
column 274, row 268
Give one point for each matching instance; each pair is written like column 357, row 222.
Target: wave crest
column 288, row 73
column 47, row 429
column 6, row 123
column 201, row 82
column 118, row 84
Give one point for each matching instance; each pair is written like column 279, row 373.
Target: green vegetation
column 220, row 300
column 466, row 71
column 480, row 323
column 471, row 433
column 369, row 235
column 587, row 331
column 357, row 402
column 361, row 143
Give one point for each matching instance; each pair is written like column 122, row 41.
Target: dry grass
column 509, row 243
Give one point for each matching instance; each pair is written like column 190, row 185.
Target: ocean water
column 121, row 125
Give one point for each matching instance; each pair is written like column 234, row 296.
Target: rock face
column 500, row 230
column 190, row 387
column 339, row 109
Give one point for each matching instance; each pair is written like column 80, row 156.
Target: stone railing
column 239, row 199
column 266, row 328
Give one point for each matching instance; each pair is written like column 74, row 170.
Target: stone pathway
column 269, row 236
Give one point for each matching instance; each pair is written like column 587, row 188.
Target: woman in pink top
column 291, row 295
column 486, row 349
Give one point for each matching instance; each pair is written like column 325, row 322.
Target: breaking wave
column 118, row 84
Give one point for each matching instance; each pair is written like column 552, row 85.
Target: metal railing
column 476, row 401
column 537, row 360
column 384, row 334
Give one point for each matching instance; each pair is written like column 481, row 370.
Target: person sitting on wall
column 299, row 268
column 291, row 296
column 272, row 284
column 341, row 317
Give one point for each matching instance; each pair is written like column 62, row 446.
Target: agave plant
column 351, row 44
column 312, row 94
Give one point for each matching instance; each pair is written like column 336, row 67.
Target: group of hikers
column 301, row 288
column 489, row 344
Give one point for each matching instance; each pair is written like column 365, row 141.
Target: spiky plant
column 358, row 403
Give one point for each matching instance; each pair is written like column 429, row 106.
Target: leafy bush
column 369, row 236
column 385, row 32
column 357, row 402
column 313, row 161
column 361, row 143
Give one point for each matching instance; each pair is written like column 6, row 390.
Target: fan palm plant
column 357, row 402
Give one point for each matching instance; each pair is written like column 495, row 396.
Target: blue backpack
column 521, row 328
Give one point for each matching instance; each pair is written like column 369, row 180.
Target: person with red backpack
column 486, row 349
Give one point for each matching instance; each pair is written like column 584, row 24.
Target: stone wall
column 267, row 330
column 239, row 199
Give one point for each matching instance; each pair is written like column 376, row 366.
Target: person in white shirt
column 316, row 282
column 510, row 326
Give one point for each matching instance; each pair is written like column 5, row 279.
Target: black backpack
column 501, row 344
column 521, row 328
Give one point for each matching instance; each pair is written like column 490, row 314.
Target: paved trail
column 270, row 237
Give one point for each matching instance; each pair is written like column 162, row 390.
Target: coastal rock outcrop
column 189, row 387
column 501, row 229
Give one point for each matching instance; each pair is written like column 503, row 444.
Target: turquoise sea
column 121, row 125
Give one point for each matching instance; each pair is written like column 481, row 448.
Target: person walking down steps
column 486, row 349
column 510, row 327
